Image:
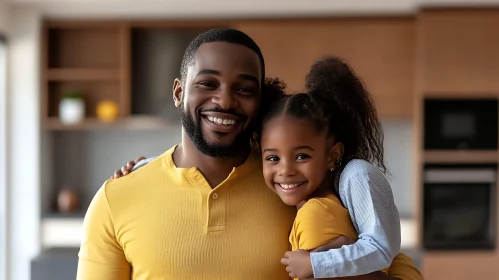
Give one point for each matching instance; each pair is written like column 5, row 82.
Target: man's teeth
column 289, row 186
column 221, row 121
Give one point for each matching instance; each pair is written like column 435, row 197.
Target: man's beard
column 193, row 130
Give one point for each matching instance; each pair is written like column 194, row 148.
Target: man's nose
column 224, row 98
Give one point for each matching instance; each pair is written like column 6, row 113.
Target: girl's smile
column 289, row 187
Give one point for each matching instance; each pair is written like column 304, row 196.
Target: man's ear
column 335, row 152
column 178, row 92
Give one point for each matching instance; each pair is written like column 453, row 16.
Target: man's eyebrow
column 208, row 72
column 217, row 73
column 249, row 78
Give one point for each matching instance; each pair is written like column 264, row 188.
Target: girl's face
column 297, row 158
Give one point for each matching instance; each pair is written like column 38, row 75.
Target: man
column 202, row 209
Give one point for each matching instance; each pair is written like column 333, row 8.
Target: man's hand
column 126, row 169
column 298, row 264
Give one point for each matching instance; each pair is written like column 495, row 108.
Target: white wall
column 3, row 160
column 24, row 141
column 401, row 162
column 3, row 148
column 4, row 30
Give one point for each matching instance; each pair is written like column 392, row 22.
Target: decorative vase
column 107, row 111
column 71, row 110
column 67, row 201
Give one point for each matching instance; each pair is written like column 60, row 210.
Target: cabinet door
column 459, row 52
column 381, row 52
column 289, row 48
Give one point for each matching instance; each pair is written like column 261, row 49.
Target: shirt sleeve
column 142, row 163
column 403, row 268
column 309, row 231
column 368, row 197
column 101, row 256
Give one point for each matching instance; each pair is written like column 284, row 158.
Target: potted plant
column 72, row 107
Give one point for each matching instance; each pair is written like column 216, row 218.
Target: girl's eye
column 302, row 156
column 272, row 158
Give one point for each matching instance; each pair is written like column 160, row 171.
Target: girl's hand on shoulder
column 126, row 169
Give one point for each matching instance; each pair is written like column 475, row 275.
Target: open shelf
column 465, row 156
column 93, row 92
column 83, row 74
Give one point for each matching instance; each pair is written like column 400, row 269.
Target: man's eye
column 245, row 89
column 207, row 84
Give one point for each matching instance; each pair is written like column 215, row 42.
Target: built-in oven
column 455, row 124
column 459, row 207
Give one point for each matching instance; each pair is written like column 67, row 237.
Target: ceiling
column 229, row 8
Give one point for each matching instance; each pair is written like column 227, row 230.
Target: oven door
column 459, row 209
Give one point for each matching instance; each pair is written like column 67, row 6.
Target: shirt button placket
column 216, row 212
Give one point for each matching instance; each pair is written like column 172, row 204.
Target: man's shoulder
column 142, row 179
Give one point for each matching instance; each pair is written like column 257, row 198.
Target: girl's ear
column 335, row 154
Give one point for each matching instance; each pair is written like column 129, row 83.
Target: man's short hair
column 227, row 35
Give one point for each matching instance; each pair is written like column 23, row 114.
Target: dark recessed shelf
column 130, row 123
column 83, row 74
column 60, row 215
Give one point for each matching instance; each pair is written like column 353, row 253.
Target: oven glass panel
column 451, row 124
column 458, row 216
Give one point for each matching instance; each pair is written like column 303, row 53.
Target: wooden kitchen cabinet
column 458, row 52
column 89, row 58
column 380, row 50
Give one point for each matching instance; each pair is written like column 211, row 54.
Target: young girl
column 316, row 147
column 316, row 152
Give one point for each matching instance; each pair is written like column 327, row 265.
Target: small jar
column 67, row 201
